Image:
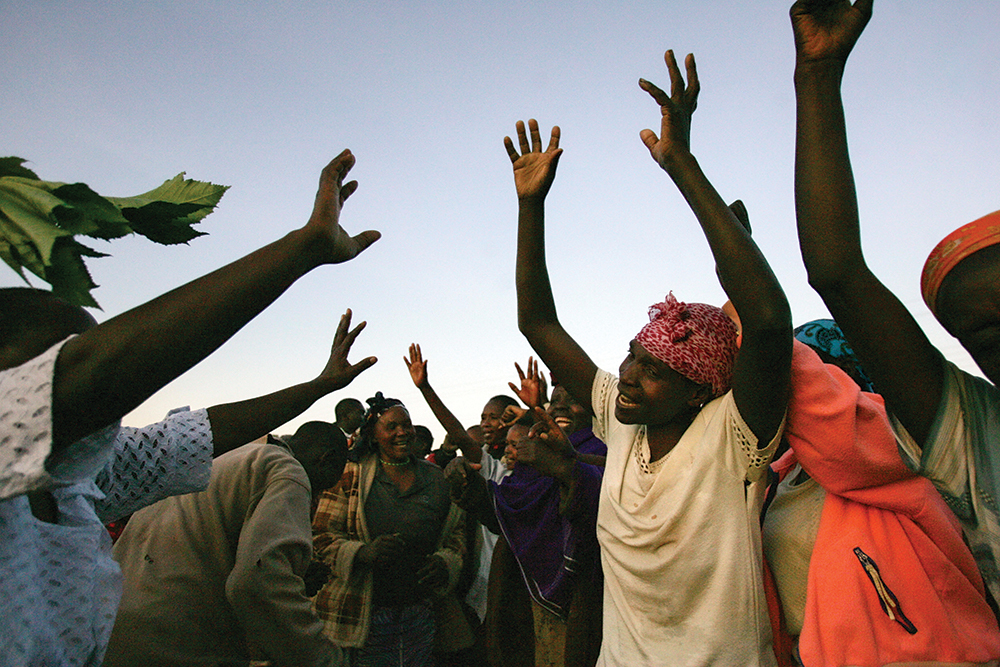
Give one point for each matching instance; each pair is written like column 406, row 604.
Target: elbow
column 834, row 281
column 244, row 591
column 831, row 275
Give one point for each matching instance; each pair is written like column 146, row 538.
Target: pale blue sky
column 260, row 96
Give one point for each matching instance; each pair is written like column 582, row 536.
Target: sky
column 260, row 96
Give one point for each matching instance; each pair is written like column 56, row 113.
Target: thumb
column 366, row 238
column 363, row 365
column 649, row 138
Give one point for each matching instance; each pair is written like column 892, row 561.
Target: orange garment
column 885, row 537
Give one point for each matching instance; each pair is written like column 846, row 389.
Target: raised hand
column 417, row 366
column 533, row 387
column 339, row 372
column 676, row 110
column 534, row 170
column 325, row 219
column 828, row 29
column 465, row 483
column 511, row 414
column 547, row 449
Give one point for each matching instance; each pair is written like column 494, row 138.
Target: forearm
column 470, row 448
column 269, row 600
column 536, row 306
column 536, row 310
column 826, row 204
column 235, row 424
column 745, row 273
column 106, row 372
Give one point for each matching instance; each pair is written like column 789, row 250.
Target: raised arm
column 110, row 369
column 534, row 171
column 417, row 366
column 235, row 424
column 907, row 370
column 761, row 372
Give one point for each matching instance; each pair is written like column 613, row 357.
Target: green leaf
column 68, row 275
column 38, row 220
column 85, row 212
column 13, row 166
column 25, row 212
column 164, row 222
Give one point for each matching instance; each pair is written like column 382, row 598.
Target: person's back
column 217, row 575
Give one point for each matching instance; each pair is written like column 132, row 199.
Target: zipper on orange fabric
column 888, row 600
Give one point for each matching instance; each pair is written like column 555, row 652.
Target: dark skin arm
column 905, row 367
column 470, row 491
column 107, row 371
column 763, row 366
column 417, row 366
column 534, row 171
column 235, row 424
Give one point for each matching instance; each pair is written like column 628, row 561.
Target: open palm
column 534, row 170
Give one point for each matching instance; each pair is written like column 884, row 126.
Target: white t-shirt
column 680, row 541
column 492, row 471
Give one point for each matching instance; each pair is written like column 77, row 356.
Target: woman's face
column 652, row 393
column 393, row 434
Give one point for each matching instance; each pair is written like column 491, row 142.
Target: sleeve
column 27, row 462
column 453, row 548
column 840, row 435
column 942, row 459
column 334, row 542
column 603, row 395
column 741, row 447
column 265, row 587
column 169, row 458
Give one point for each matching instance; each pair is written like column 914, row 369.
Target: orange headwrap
column 964, row 241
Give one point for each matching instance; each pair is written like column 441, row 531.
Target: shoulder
column 261, row 463
column 427, row 469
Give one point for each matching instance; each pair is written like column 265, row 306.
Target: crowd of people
column 741, row 492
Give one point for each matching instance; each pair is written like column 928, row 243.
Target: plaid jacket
column 344, row 604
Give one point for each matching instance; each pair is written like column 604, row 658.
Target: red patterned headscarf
column 964, row 241
column 695, row 339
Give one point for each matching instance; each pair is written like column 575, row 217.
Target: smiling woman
column 394, row 542
column 690, row 428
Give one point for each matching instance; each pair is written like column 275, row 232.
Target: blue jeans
column 399, row 637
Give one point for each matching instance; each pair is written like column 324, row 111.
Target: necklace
column 393, row 465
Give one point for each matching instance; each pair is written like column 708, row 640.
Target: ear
column 701, row 395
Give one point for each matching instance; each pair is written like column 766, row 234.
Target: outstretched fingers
column 683, row 95
column 529, row 140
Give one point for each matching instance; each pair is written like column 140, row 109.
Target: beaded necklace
column 393, row 465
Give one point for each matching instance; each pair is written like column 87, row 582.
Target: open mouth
column 624, row 401
column 563, row 422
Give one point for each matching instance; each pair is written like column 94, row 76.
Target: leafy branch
column 39, row 221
